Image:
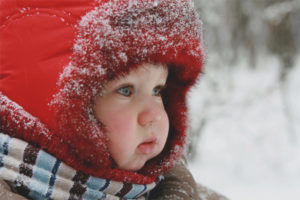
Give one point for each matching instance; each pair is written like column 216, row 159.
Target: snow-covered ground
column 249, row 148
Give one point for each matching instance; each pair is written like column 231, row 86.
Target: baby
column 96, row 109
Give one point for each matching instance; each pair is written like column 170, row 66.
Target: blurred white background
column 245, row 111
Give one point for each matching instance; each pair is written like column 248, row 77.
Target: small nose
column 149, row 115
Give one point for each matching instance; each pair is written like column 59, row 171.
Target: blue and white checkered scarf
column 38, row 175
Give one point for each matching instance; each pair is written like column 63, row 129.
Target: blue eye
column 157, row 90
column 125, row 91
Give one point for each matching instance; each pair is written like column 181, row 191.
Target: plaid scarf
column 38, row 175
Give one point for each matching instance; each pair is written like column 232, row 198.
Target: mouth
column 148, row 146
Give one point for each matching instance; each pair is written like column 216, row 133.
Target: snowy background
column 245, row 111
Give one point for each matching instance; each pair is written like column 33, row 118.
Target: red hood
column 62, row 53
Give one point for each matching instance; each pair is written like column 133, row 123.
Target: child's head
column 92, row 45
column 131, row 109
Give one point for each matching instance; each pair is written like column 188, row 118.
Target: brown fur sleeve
column 7, row 194
column 179, row 184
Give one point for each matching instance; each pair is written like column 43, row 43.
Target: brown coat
column 178, row 184
column 7, row 194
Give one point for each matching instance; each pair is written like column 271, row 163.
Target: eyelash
column 123, row 88
column 129, row 90
column 160, row 89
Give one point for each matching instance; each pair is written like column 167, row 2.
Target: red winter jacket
column 55, row 56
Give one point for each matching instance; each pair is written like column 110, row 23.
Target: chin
column 136, row 167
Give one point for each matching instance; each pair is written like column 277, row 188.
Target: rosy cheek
column 122, row 124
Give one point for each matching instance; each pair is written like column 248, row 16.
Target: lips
column 147, row 146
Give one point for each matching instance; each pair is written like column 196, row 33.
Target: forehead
column 146, row 70
column 149, row 68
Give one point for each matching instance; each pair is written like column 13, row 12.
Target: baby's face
column 132, row 110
